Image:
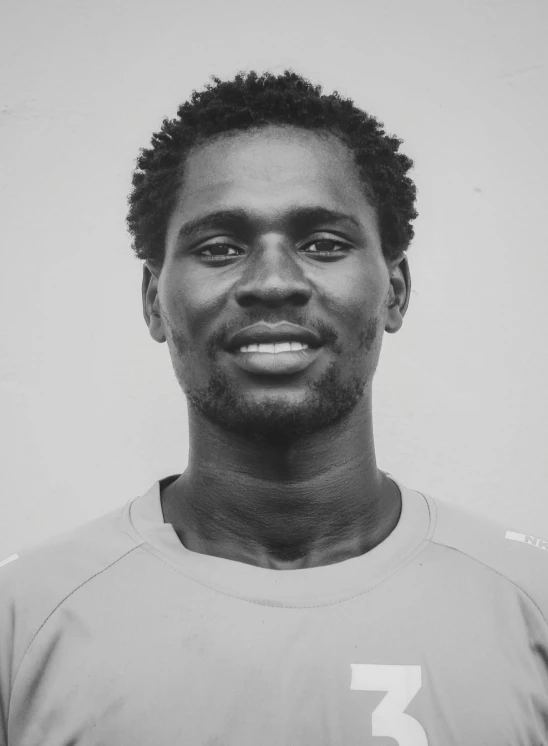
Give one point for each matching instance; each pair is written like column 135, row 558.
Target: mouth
column 279, row 358
column 280, row 349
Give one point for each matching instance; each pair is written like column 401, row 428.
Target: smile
column 274, row 348
column 282, row 359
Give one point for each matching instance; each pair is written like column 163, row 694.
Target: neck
column 313, row 502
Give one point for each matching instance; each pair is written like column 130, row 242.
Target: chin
column 277, row 417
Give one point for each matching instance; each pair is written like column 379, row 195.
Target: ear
column 151, row 302
column 399, row 293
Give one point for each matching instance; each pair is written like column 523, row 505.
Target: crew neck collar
column 315, row 586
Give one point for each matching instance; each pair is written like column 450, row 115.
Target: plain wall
column 91, row 413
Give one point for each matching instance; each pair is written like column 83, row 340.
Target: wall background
column 90, row 411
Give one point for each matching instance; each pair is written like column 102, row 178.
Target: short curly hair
column 253, row 101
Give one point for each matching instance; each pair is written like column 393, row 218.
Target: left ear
column 399, row 293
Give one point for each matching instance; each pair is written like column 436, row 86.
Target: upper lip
column 263, row 333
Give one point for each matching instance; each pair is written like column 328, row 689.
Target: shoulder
column 60, row 564
column 515, row 553
column 35, row 581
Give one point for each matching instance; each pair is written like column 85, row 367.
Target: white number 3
column 400, row 683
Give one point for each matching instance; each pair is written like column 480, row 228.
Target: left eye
column 325, row 246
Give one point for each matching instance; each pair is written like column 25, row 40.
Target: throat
column 283, row 532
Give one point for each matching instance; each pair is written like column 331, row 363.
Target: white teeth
column 274, row 348
column 282, row 347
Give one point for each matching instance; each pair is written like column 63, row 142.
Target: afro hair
column 252, row 101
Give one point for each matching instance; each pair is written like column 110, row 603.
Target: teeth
column 274, row 348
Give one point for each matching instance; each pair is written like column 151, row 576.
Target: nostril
column 272, row 295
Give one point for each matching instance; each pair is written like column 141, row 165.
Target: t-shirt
column 116, row 634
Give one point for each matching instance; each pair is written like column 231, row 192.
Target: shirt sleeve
column 8, row 581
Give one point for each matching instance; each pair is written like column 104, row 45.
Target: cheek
column 175, row 302
column 187, row 310
column 189, row 298
column 361, row 296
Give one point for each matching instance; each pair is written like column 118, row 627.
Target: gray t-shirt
column 116, row 634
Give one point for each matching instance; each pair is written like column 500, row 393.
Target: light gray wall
column 91, row 413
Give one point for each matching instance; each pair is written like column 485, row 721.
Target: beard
column 328, row 400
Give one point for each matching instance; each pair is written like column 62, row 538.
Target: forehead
column 267, row 168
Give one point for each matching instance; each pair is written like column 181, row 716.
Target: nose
column 273, row 277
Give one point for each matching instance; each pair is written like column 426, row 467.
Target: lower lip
column 276, row 363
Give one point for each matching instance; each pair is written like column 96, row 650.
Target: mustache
column 218, row 339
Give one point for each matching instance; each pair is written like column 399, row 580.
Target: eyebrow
column 301, row 218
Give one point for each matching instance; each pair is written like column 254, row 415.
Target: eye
column 325, row 247
column 218, row 252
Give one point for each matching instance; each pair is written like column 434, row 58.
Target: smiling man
column 283, row 589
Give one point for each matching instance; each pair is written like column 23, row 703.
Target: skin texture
column 282, row 470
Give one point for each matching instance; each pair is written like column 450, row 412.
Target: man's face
column 273, row 247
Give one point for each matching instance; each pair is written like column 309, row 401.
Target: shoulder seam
column 432, row 512
column 492, row 569
column 433, row 540
column 62, row 601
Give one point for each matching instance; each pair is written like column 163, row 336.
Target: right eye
column 217, row 252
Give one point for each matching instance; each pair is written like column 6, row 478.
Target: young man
column 283, row 590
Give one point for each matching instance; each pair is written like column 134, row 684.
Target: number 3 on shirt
column 400, row 683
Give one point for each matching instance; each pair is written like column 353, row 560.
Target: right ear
column 151, row 302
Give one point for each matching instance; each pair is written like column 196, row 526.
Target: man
column 283, row 590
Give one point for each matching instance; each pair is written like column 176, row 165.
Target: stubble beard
column 329, row 399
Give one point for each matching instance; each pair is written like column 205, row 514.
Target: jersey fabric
column 116, row 635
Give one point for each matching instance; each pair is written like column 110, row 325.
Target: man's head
column 265, row 201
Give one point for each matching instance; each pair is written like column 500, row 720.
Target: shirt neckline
column 315, row 586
